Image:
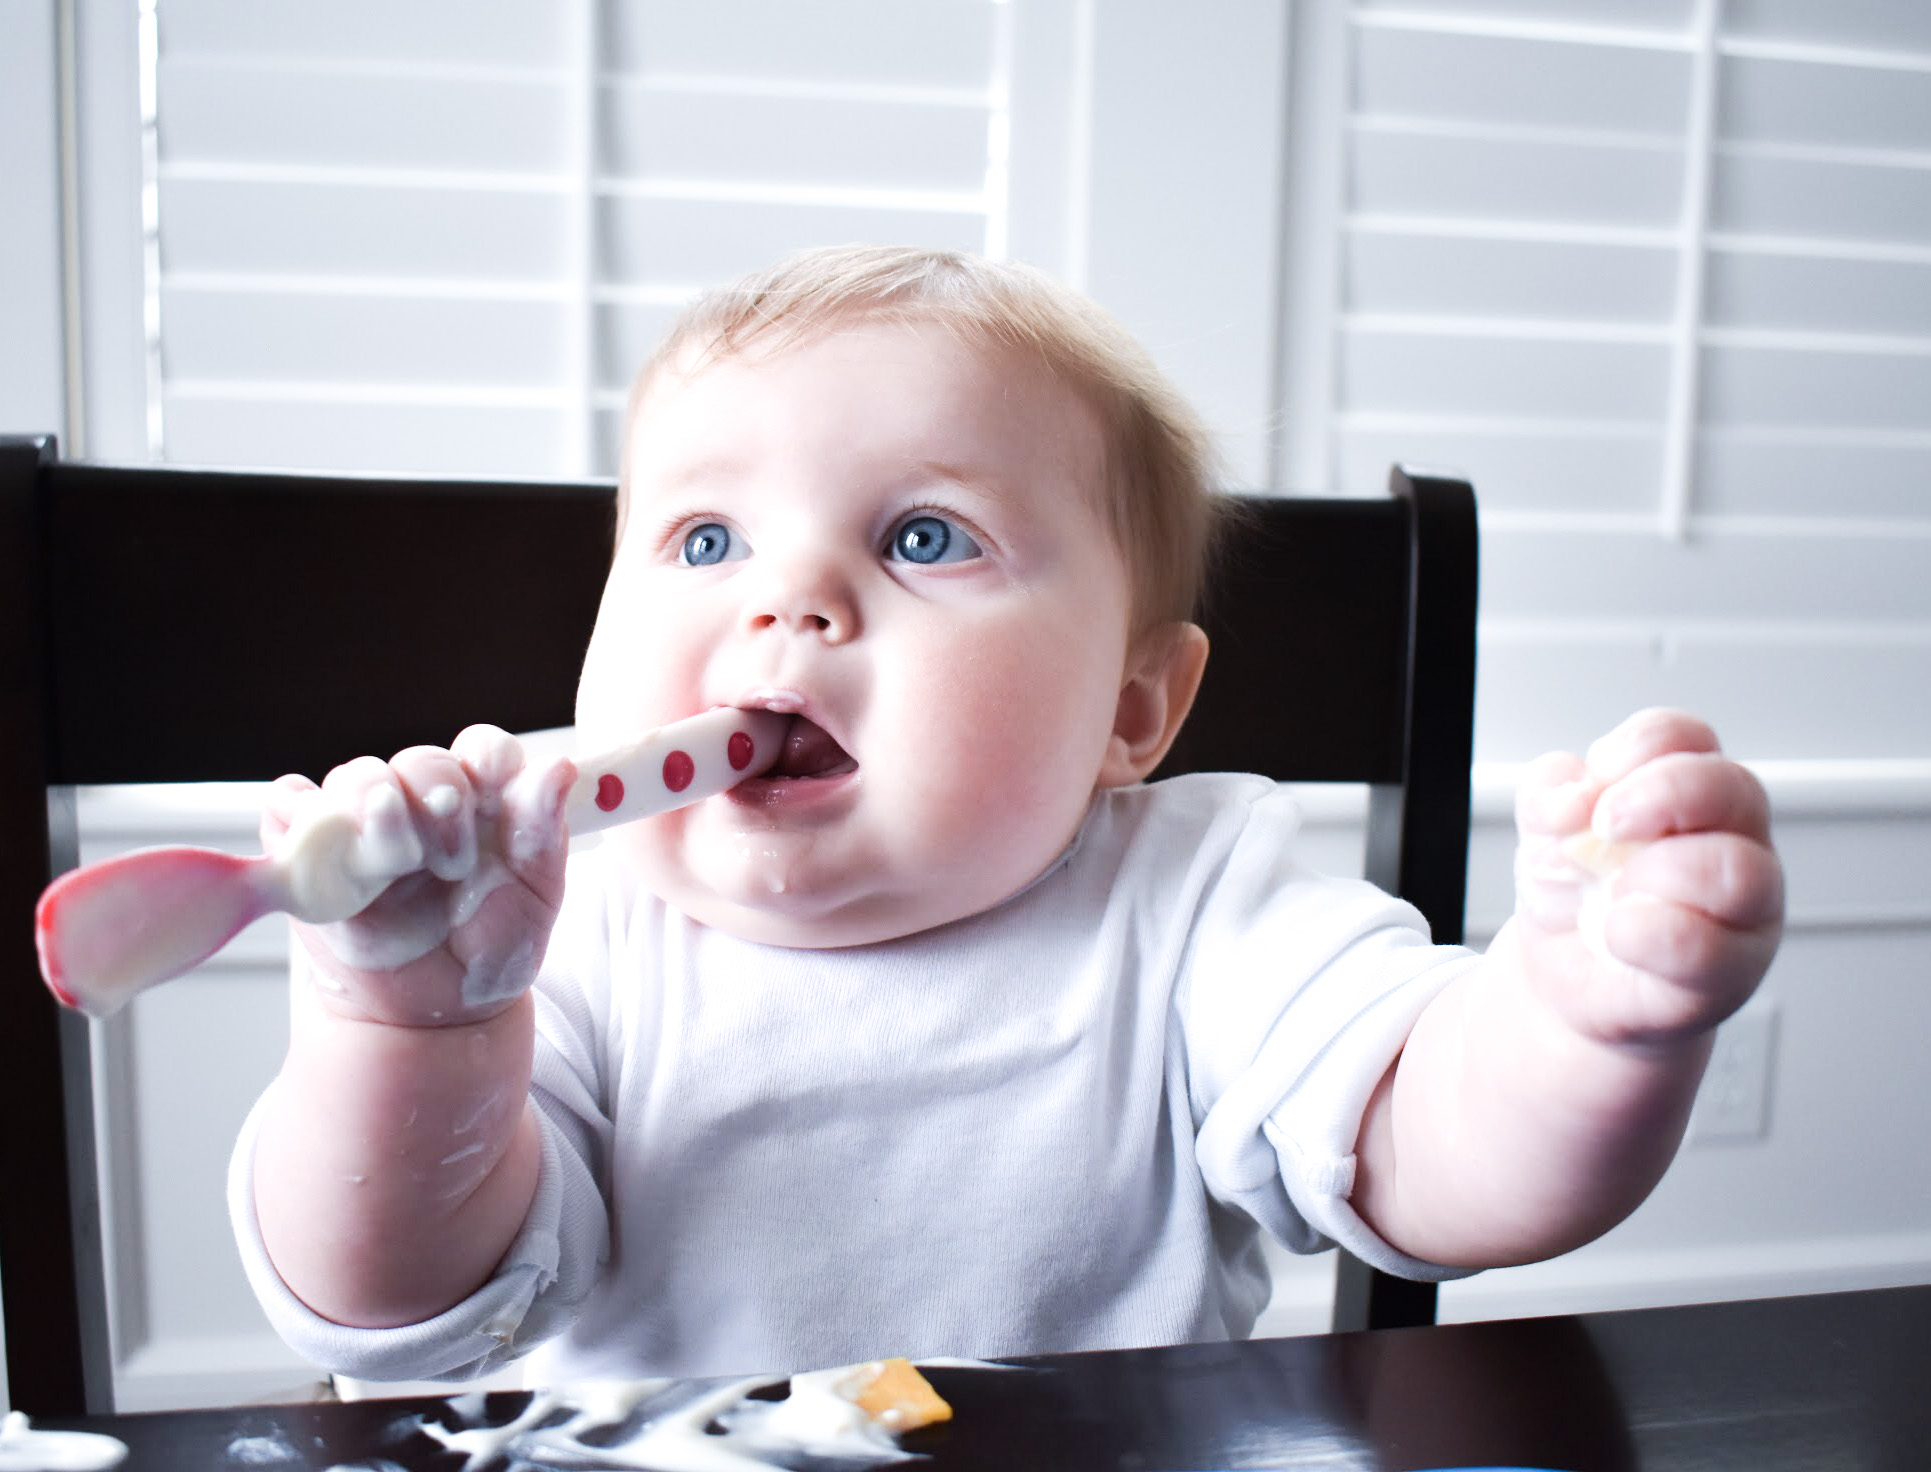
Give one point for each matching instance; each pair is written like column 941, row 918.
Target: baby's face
column 896, row 538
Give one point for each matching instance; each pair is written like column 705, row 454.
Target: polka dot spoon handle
column 110, row 930
column 673, row 766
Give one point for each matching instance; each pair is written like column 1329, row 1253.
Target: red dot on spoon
column 610, row 791
column 678, row 770
column 738, row 749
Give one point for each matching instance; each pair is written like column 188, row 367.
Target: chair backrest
column 151, row 619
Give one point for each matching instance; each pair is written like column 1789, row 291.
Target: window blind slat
column 1507, row 278
column 647, row 133
column 262, row 112
column 1829, row 573
column 691, row 242
column 1460, row 178
column 1859, row 698
column 1747, row 290
column 1495, row 376
column 498, row 32
column 944, row 43
column 488, row 440
column 379, row 339
column 1779, row 470
column 260, row 226
column 1794, row 196
column 1846, row 106
column 1527, row 83
column 1565, row 468
column 1656, row 15
column 1744, row 385
column 1886, row 24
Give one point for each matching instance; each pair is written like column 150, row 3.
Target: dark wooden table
column 1839, row 1382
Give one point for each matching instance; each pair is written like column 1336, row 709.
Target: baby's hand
column 472, row 845
column 1649, row 900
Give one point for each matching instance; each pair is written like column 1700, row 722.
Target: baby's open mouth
column 808, row 752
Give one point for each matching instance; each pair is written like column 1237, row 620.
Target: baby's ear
column 1163, row 669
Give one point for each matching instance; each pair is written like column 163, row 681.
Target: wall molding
column 246, row 1367
column 1596, row 1281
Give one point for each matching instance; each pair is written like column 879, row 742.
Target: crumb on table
column 899, row 1398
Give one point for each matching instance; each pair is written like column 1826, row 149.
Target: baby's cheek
column 643, row 669
column 1005, row 785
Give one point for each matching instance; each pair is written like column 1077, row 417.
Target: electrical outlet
column 1734, row 1101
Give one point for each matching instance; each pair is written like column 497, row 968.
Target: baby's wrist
column 432, row 992
column 1556, row 1010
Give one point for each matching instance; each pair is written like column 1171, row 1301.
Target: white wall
column 1150, row 163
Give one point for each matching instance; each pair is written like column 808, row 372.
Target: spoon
column 110, row 930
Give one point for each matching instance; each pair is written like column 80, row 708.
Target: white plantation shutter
column 1657, row 275
column 442, row 235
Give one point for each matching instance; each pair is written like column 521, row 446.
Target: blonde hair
column 1159, row 462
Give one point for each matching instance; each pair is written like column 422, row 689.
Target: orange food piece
column 899, row 1398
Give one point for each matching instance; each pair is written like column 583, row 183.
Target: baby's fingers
column 1707, row 969
column 533, row 815
column 1643, row 738
column 287, row 797
column 442, row 806
column 491, row 757
column 1684, row 792
column 1734, row 881
column 526, row 799
column 387, row 844
column 1554, row 795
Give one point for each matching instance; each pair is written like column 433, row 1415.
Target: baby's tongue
column 809, row 752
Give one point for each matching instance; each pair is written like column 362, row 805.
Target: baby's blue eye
column 709, row 544
column 931, row 539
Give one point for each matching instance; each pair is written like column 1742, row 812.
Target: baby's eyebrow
column 968, row 478
column 694, row 474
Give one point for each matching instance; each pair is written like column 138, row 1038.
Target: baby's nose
column 805, row 596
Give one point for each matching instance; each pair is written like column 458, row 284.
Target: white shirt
column 1056, row 1125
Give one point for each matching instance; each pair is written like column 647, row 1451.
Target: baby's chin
column 803, row 922
column 765, row 907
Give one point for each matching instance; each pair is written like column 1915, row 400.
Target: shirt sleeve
column 1298, row 994
column 557, row 1256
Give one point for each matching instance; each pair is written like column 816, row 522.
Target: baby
column 947, row 1035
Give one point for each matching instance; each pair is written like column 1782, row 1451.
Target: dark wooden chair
column 148, row 616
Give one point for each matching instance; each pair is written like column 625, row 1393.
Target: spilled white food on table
column 23, row 1448
column 853, row 1413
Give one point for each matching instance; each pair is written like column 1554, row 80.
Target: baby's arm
column 1541, row 1096
column 397, row 1155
